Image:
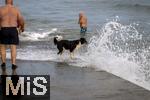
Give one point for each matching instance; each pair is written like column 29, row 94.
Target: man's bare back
column 82, row 20
column 83, row 23
column 10, row 17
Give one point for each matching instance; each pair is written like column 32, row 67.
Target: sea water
column 118, row 34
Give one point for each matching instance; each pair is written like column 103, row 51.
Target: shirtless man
column 10, row 20
column 83, row 23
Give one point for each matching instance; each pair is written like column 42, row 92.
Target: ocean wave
column 37, row 36
column 115, row 48
column 133, row 6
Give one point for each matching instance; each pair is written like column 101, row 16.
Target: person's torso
column 8, row 16
column 83, row 22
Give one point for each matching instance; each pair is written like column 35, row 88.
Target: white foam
column 111, row 51
column 36, row 36
column 114, row 49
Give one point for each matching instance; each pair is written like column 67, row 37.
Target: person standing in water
column 10, row 20
column 83, row 23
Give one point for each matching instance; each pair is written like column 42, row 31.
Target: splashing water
column 36, row 36
column 115, row 48
column 119, row 49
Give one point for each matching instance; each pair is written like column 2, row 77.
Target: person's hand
column 22, row 29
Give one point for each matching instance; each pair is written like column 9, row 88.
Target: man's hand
column 20, row 30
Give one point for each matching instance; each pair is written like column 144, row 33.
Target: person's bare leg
column 3, row 53
column 13, row 54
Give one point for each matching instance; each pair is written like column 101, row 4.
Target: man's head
column 81, row 13
column 9, row 2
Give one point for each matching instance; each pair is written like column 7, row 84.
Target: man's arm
column 79, row 20
column 21, row 22
column 86, row 21
column 0, row 17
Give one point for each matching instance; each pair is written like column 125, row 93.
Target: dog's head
column 83, row 41
column 57, row 38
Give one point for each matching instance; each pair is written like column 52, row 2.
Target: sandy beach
column 74, row 83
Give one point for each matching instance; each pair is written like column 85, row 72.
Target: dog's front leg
column 71, row 55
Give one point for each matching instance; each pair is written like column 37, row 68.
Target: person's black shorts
column 9, row 35
column 83, row 30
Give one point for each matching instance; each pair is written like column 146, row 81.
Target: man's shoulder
column 2, row 7
column 14, row 7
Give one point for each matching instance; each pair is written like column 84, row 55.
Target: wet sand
column 74, row 83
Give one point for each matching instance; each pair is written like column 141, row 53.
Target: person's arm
column 79, row 20
column 0, row 17
column 86, row 21
column 21, row 22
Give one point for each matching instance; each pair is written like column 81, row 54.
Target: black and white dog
column 68, row 45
